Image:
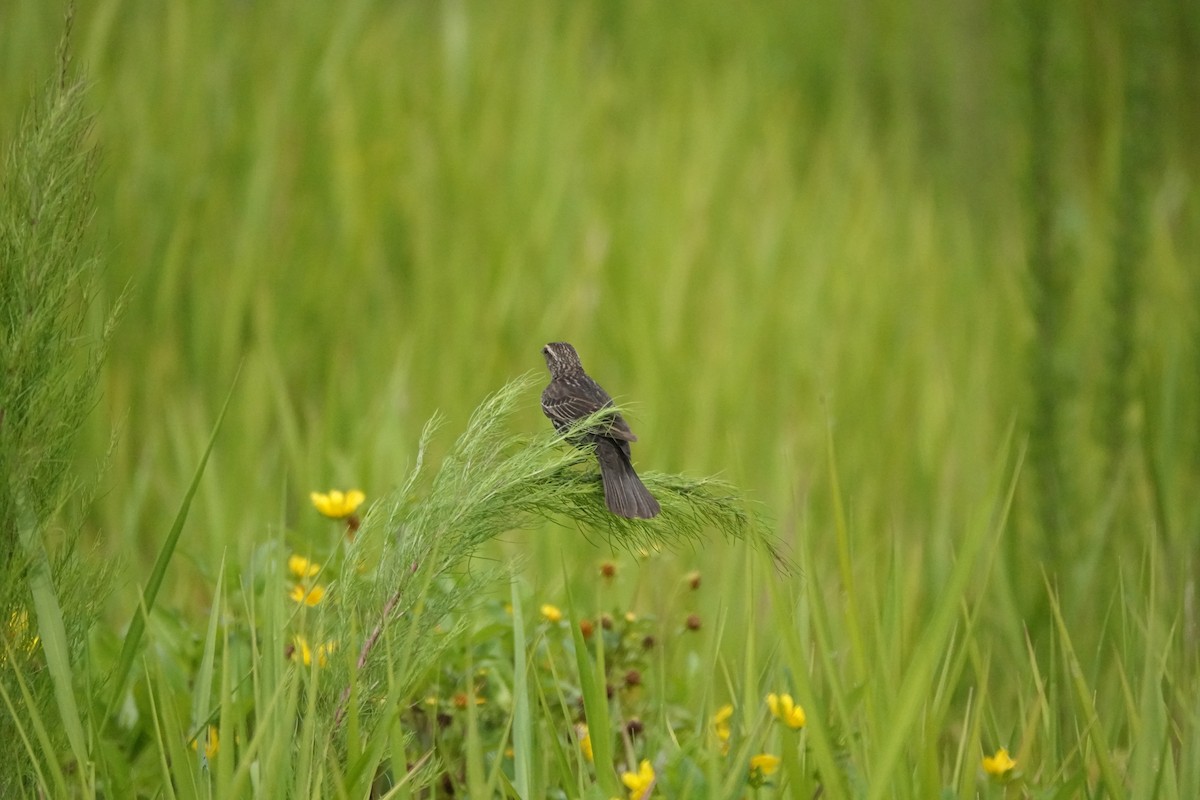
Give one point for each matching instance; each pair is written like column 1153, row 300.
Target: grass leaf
column 137, row 624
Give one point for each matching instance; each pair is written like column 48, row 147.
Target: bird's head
column 561, row 359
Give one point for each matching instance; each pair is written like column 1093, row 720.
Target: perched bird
column 570, row 397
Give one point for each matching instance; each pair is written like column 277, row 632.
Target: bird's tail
column 624, row 493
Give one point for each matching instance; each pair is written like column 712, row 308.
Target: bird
column 571, row 396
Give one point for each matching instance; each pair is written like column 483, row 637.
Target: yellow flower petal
column 211, row 744
column 585, row 742
column 551, row 613
column 301, row 567
column 998, row 764
column 784, row 709
column 764, row 764
column 639, row 783
column 720, row 726
column 303, row 649
column 336, row 504
column 18, row 631
column 310, row 597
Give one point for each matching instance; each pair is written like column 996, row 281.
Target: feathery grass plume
column 49, row 360
column 410, row 557
column 1130, row 219
column 1047, row 285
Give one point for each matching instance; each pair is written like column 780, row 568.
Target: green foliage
column 851, row 259
column 46, row 283
column 381, row 623
column 1048, row 288
column 1131, row 212
column 50, row 359
column 406, row 570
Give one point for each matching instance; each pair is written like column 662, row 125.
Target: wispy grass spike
column 493, row 481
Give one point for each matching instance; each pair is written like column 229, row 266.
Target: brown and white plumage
column 571, row 396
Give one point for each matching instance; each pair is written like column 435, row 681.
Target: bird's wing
column 565, row 405
column 619, row 429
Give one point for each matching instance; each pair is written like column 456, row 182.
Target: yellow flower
column 639, row 783
column 210, row 745
column 720, row 726
column 999, row 764
column 301, row 567
column 763, row 764
column 585, row 742
column 551, row 613
column 311, row 596
column 18, row 632
column 784, row 709
column 336, row 504
column 324, row 651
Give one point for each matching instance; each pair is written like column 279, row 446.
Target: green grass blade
column 522, row 728
column 202, row 696
column 821, row 739
column 845, row 561
column 164, row 745
column 473, row 744
column 595, row 700
column 912, row 694
column 39, row 730
column 137, row 625
column 226, row 722
column 1085, row 703
column 53, row 635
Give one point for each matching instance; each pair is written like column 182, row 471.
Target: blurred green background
column 767, row 229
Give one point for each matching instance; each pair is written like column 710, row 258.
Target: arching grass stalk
column 408, row 563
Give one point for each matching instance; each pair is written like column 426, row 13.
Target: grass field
column 919, row 280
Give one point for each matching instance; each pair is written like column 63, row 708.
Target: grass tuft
column 50, row 358
column 945, row 231
column 490, row 483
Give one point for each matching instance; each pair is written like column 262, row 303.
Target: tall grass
column 50, row 359
column 1049, row 288
column 1130, row 236
column 854, row 260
